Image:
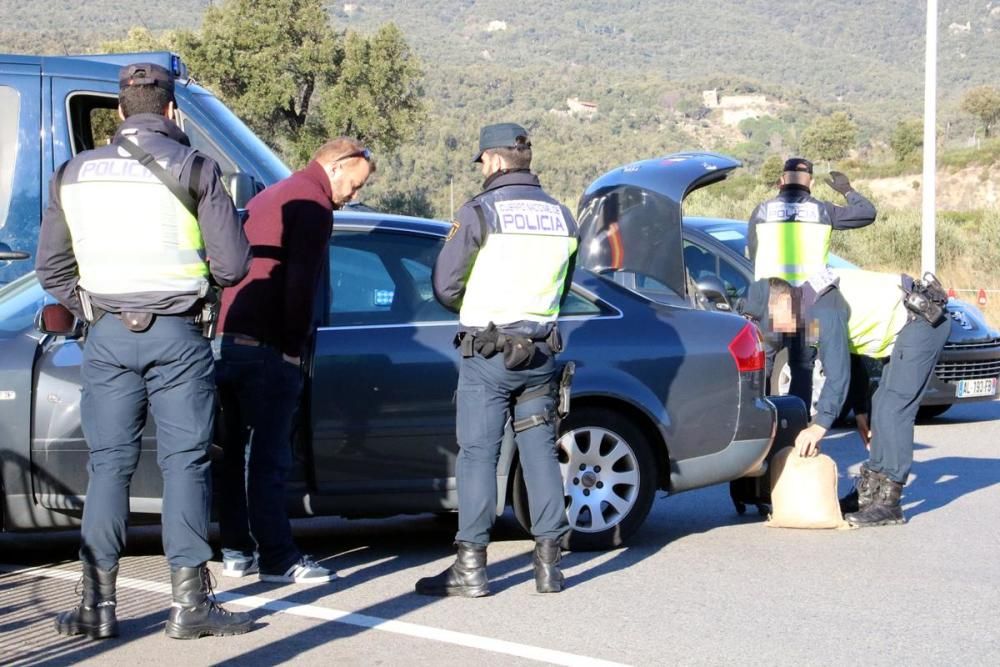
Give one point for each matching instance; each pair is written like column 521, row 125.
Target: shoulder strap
column 194, row 179
column 484, row 229
column 60, row 172
column 182, row 194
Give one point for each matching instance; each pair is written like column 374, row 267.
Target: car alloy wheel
column 613, row 491
column 601, row 478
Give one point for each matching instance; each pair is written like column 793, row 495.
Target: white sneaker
column 239, row 567
column 306, row 571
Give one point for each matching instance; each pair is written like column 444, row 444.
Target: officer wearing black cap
column 134, row 234
column 505, row 267
column 789, row 239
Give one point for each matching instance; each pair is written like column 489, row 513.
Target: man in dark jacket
column 266, row 323
column 505, row 267
column 789, row 239
column 131, row 248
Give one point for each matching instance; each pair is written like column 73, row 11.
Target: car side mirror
column 242, row 187
column 713, row 290
column 56, row 319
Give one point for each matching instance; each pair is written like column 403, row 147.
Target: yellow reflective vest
column 130, row 233
column 877, row 310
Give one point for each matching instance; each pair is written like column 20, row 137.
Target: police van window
column 199, row 139
column 10, row 112
column 93, row 120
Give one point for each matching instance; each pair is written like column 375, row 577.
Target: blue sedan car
column 666, row 396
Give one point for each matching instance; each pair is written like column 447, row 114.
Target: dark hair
column 517, row 157
column 779, row 288
column 144, row 99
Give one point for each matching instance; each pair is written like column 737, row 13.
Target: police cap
column 798, row 164
column 145, row 74
column 501, row 135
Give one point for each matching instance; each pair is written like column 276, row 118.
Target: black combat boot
column 466, row 577
column 884, row 509
column 195, row 613
column 95, row 617
column 863, row 493
column 548, row 577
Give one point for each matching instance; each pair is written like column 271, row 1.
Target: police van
column 52, row 108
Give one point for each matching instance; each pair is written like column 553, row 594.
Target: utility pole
column 927, row 238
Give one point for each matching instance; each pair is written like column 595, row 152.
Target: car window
column 93, row 120
column 733, row 237
column 19, row 302
column 20, row 169
column 200, row 140
column 699, row 261
column 576, row 304
column 10, row 113
column 383, row 277
column 419, row 270
column 736, row 283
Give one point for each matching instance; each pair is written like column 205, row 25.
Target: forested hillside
column 643, row 64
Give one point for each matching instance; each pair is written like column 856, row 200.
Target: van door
column 84, row 115
column 20, row 163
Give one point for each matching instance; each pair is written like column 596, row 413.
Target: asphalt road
column 697, row 585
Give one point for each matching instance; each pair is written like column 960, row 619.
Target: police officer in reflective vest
column 901, row 322
column 133, row 234
column 789, row 238
column 505, row 267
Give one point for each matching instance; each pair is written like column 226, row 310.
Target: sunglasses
column 365, row 153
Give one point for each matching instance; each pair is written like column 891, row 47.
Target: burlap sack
column 804, row 492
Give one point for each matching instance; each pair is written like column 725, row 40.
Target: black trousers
column 895, row 404
column 167, row 369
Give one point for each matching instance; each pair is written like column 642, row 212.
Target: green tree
column 983, row 102
column 829, row 137
column 282, row 68
column 141, row 39
column 378, row 94
column 907, row 138
column 267, row 59
column 770, row 170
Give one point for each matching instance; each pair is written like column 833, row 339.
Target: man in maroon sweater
column 265, row 323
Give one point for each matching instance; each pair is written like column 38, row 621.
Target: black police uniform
column 143, row 350
column 474, row 275
column 858, row 213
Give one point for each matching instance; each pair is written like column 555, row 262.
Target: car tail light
column 748, row 349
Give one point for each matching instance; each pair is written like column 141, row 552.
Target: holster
column 560, row 391
column 925, row 298
column 208, row 316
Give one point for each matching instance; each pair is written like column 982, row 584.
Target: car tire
column 931, row 411
column 602, row 440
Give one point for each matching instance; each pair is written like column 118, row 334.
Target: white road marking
column 348, row 618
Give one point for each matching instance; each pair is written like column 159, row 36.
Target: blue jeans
column 484, row 398
column 897, row 399
column 167, row 369
column 260, row 395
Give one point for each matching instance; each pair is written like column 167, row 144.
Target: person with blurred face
column 788, row 237
column 266, row 323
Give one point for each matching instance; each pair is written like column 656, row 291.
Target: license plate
column 981, row 387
